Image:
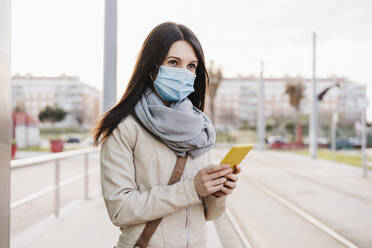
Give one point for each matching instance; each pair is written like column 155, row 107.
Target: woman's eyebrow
column 179, row 58
column 174, row 57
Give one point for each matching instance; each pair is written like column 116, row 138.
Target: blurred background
column 293, row 78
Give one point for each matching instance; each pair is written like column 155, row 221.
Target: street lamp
column 362, row 105
column 334, row 119
column 314, row 109
column 261, row 125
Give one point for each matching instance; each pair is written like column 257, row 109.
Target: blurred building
column 79, row 99
column 236, row 100
column 25, row 130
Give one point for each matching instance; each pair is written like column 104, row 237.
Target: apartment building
column 236, row 100
column 80, row 100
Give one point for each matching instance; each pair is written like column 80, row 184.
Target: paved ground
column 81, row 223
column 288, row 200
column 30, row 180
column 282, row 200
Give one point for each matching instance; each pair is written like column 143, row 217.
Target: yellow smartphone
column 236, row 155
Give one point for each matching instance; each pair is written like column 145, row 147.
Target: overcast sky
column 51, row 37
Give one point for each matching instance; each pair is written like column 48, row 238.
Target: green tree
column 52, row 114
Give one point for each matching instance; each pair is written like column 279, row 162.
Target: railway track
column 263, row 213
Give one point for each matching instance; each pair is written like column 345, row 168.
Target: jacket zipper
column 187, row 216
column 187, row 227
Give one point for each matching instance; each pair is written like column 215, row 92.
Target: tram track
column 305, row 215
column 273, row 164
column 342, row 214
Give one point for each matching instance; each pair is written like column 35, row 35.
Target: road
column 288, row 200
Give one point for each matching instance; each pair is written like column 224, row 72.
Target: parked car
column 277, row 142
column 356, row 141
column 273, row 139
column 73, row 140
column 343, row 143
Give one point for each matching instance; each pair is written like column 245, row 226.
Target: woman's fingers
column 214, row 168
column 237, row 169
column 230, row 184
column 223, row 191
column 232, row 177
column 215, row 178
column 220, row 173
column 226, row 190
column 218, row 193
column 217, row 181
column 216, row 188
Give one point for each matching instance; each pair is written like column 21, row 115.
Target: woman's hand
column 211, row 179
column 230, row 184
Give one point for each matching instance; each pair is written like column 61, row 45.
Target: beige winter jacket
column 135, row 169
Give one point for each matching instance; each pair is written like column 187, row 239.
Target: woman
column 158, row 120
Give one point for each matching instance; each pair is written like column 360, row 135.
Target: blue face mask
column 174, row 84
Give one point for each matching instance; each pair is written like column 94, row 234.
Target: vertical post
column 334, row 128
column 57, row 192
column 110, row 55
column 261, row 111
column 363, row 105
column 364, row 142
column 86, row 181
column 5, row 122
column 314, row 108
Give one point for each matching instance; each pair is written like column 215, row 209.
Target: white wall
column 27, row 136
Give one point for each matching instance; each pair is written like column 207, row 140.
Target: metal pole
column 110, row 55
column 314, row 108
column 57, row 192
column 5, row 121
column 334, row 128
column 261, row 111
column 86, row 181
column 364, row 142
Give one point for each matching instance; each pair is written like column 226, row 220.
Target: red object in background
column 299, row 134
column 14, row 149
column 20, row 119
column 278, row 145
column 282, row 145
column 56, row 145
column 14, row 123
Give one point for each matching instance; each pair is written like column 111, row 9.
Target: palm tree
column 295, row 90
column 215, row 77
column 20, row 107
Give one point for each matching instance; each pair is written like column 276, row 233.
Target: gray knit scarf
column 182, row 126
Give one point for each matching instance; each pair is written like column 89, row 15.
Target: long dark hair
column 151, row 56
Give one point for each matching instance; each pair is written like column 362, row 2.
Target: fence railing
column 58, row 184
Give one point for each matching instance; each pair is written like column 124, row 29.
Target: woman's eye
column 192, row 66
column 172, row 62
